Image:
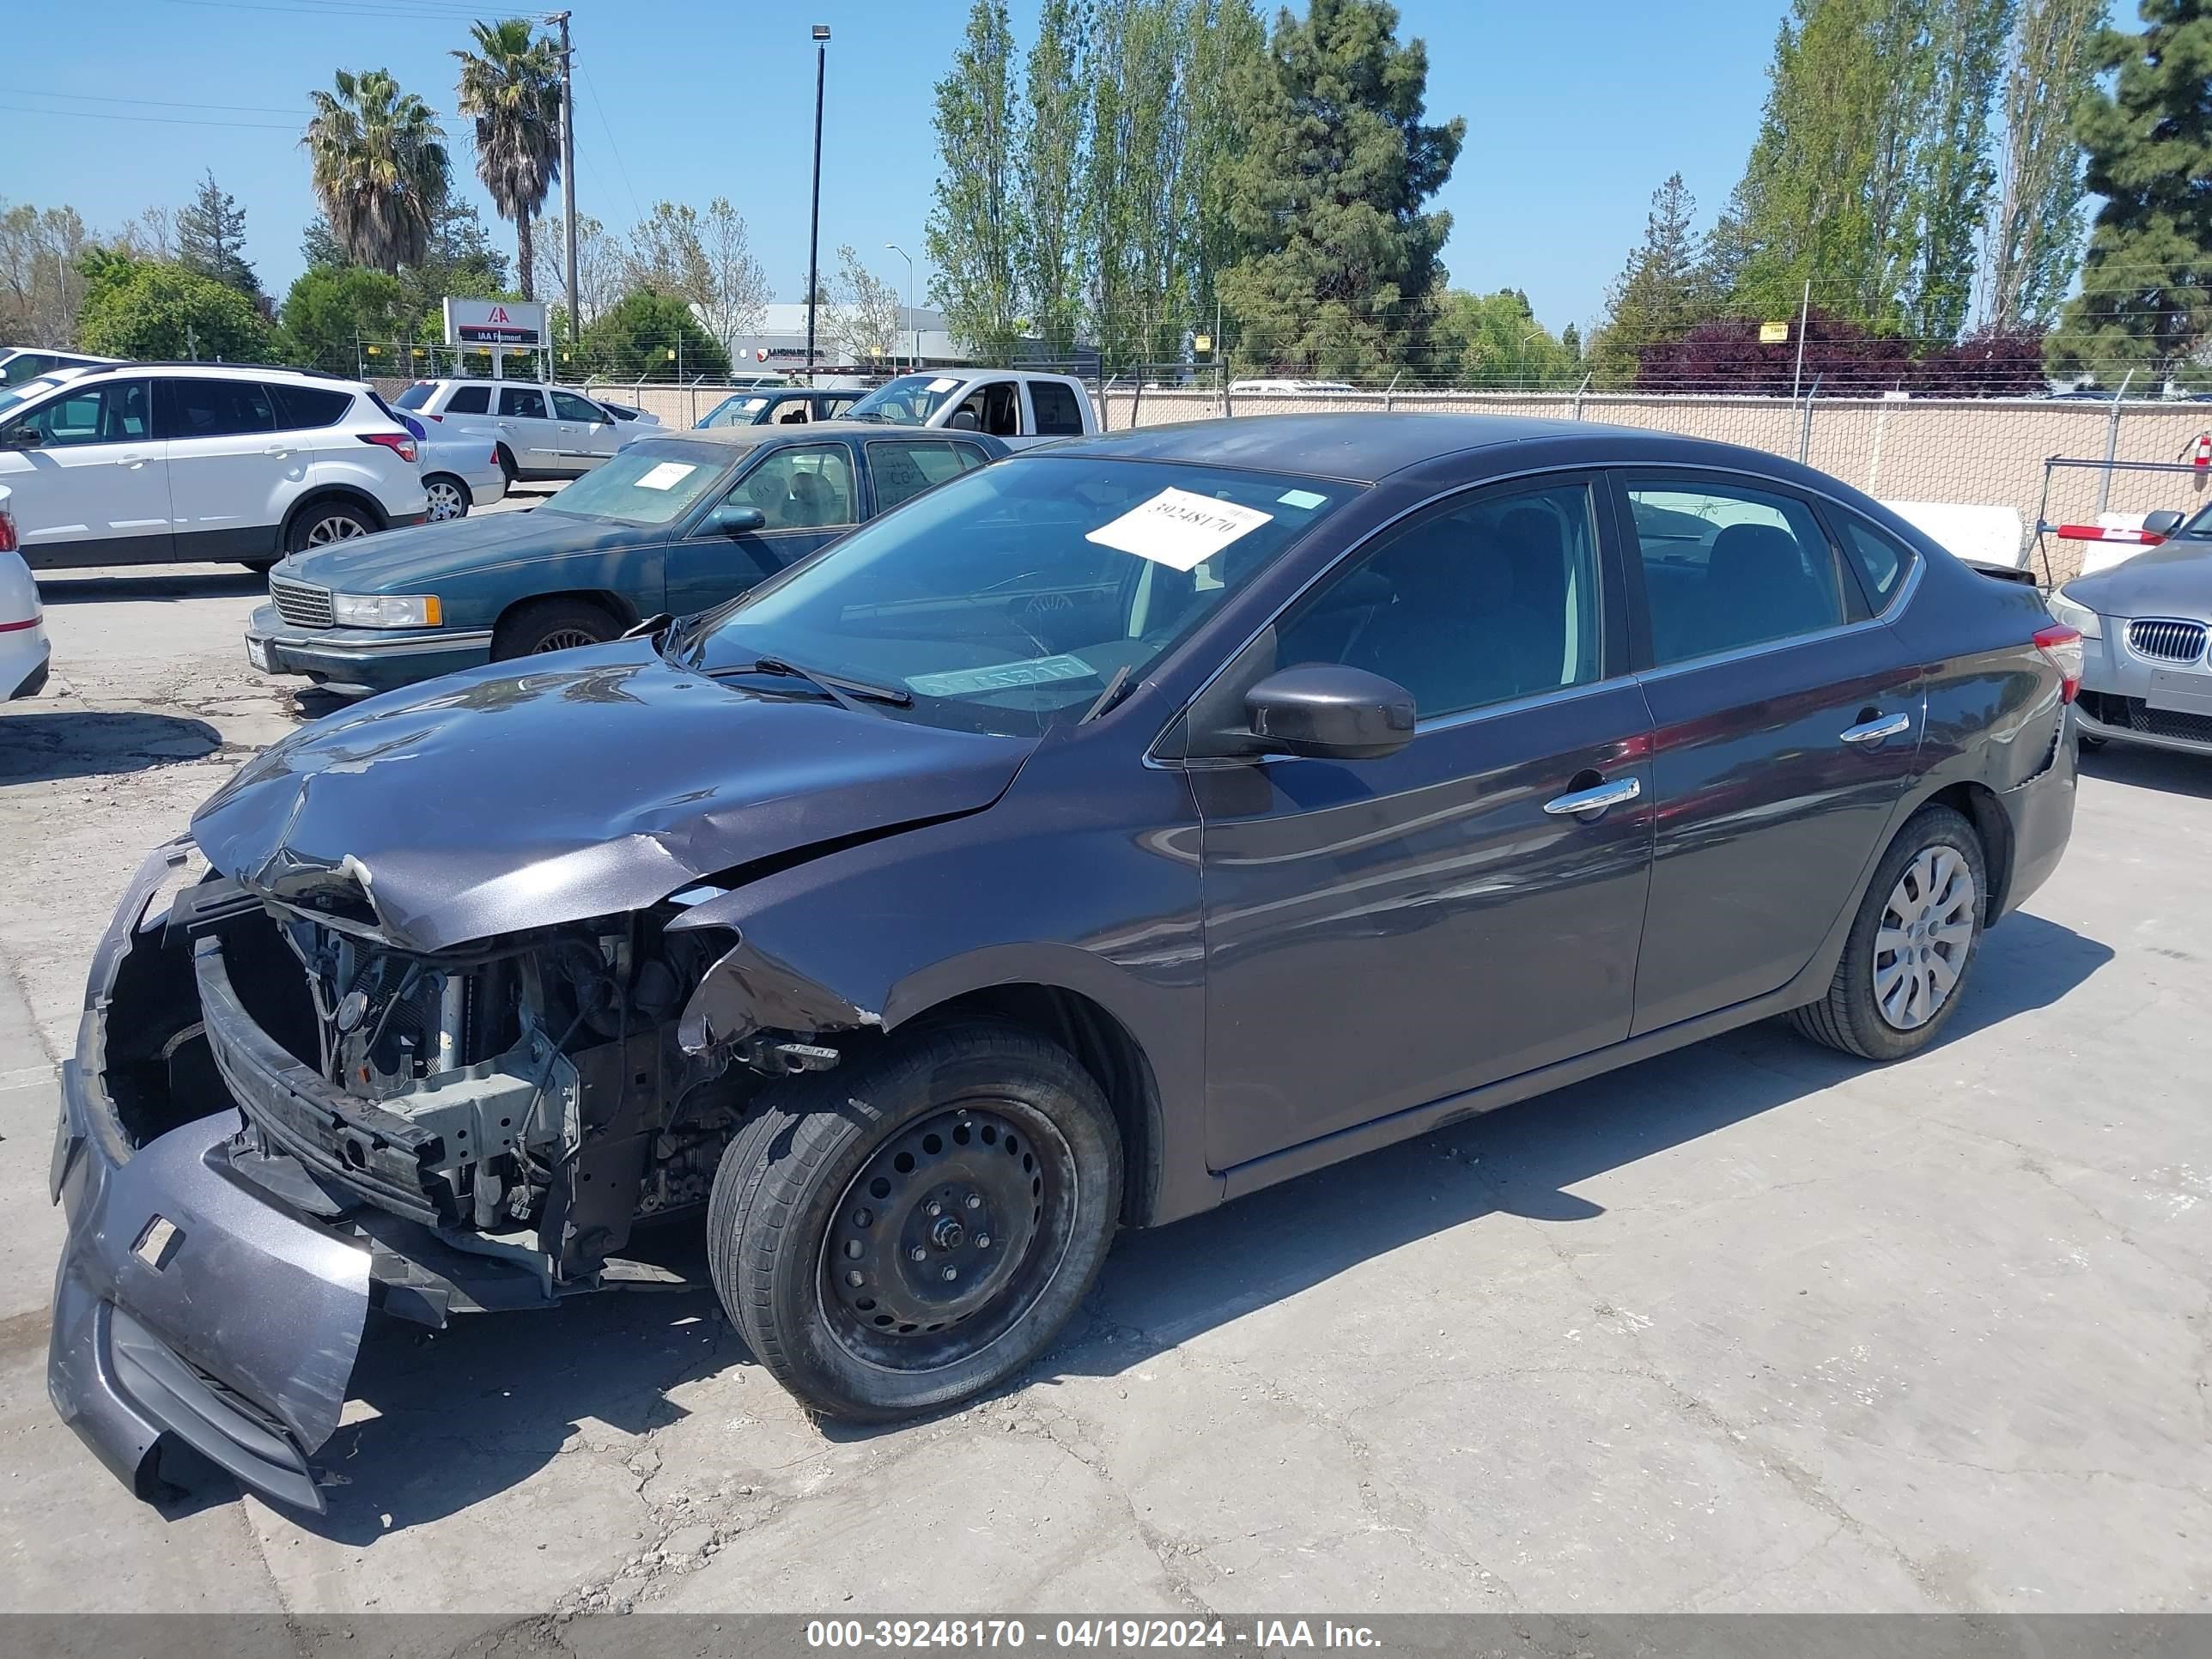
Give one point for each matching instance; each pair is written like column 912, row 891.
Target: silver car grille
column 2165, row 640
column 299, row 604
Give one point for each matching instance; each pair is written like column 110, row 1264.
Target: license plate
column 2180, row 693
column 256, row 652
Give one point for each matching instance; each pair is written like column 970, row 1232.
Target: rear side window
column 470, row 400
column 215, row 408
column 1881, row 560
column 300, row 407
column 1726, row 567
column 1057, row 412
column 523, row 402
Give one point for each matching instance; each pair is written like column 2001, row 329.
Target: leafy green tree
column 2036, row 231
column 1340, row 258
column 379, row 164
column 1661, row 294
column 1049, row 176
column 510, row 87
column 41, row 279
column 210, row 233
column 654, row 336
column 1134, row 236
column 1953, row 177
column 1226, row 43
column 1494, row 339
column 333, row 309
column 2146, row 298
column 143, row 308
column 320, row 245
column 975, row 232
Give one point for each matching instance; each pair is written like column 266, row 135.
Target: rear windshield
column 417, row 395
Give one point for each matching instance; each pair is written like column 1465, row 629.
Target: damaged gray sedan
column 1097, row 837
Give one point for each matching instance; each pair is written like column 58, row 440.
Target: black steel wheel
column 907, row 1233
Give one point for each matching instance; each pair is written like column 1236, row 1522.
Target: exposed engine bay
column 528, row 1100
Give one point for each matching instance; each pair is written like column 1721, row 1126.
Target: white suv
column 168, row 463
column 543, row 431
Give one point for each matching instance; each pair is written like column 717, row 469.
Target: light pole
column 1521, row 357
column 814, row 226
column 911, row 322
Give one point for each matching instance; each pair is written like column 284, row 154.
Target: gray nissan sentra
column 1106, row 834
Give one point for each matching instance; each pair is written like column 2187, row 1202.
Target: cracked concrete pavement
column 1747, row 1328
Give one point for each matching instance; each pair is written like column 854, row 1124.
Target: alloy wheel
column 1920, row 945
column 337, row 527
column 446, row 501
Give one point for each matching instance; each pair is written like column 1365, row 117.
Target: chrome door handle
column 276, row 449
column 1595, row 799
column 134, row 462
column 1874, row 731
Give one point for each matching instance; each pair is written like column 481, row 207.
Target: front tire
column 551, row 625
column 1911, row 945
column 909, row 1230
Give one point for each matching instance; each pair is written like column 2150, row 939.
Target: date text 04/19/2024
column 1264, row 1635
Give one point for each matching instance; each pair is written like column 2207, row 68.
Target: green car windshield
column 1011, row 598
column 645, row 484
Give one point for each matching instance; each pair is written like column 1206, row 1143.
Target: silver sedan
column 2145, row 625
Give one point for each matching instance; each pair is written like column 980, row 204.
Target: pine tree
column 1660, row 294
column 211, row 239
column 1329, row 197
column 2146, row 299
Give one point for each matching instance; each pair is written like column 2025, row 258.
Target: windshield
column 15, row 396
column 1007, row 599
column 417, row 395
column 653, row 483
column 909, row 400
column 741, row 410
column 2201, row 525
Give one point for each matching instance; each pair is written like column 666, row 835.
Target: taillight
column 7, row 531
column 399, row 443
column 2062, row 648
column 429, row 416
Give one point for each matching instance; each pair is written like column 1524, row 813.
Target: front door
column 86, row 477
column 1785, row 725
column 806, row 493
column 1383, row 934
column 587, row 428
column 532, row 435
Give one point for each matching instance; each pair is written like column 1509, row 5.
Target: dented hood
column 588, row 785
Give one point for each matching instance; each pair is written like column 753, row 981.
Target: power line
column 166, row 120
column 613, row 148
column 158, row 103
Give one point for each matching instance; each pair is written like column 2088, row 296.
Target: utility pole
column 814, row 226
column 912, row 323
column 567, row 170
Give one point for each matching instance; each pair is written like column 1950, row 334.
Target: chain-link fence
column 1983, row 452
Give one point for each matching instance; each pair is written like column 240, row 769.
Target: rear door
column 807, row 493
column 231, row 476
column 87, row 480
column 1786, row 724
column 899, row 469
column 1383, row 934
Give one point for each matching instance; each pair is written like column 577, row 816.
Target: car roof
column 750, row 437
column 1366, row 447
column 225, row 371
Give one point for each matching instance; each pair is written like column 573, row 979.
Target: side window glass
column 570, row 407
column 524, row 403
column 792, row 412
column 470, row 400
column 110, row 413
column 1727, row 568
column 1056, row 413
column 800, row 487
column 902, row 470
column 300, row 407
column 1477, row 604
column 1880, row 560
column 970, row 458
column 218, row 409
column 1002, row 410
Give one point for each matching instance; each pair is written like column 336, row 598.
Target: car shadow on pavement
column 2151, row 768
column 166, row 585
column 444, row 1420
column 86, row 743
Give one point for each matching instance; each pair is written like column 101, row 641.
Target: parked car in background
column 626, row 414
column 1022, row 409
column 672, row 523
column 1116, row 830
column 1280, row 388
column 2147, row 677
column 21, row 363
column 460, row 471
column 24, row 651
column 543, row 432
column 160, row 462
column 779, row 406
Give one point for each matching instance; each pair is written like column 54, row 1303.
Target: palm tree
column 511, row 86
column 380, row 170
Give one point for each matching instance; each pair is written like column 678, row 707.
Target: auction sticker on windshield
column 1002, row 676
column 666, row 476
column 1178, row 529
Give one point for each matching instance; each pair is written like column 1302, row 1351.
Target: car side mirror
column 20, row 437
column 1329, row 712
column 2164, row 522
column 730, row 521
column 963, row 421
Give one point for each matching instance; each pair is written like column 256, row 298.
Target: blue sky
column 1575, row 113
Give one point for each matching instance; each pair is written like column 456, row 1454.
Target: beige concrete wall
column 1982, row 452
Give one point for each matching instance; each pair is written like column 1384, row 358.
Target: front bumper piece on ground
column 361, row 661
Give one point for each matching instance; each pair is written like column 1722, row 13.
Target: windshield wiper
column 1109, row 697
column 850, row 693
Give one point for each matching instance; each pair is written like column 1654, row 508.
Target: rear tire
column 448, row 498
column 324, row 523
column 983, row 1149
column 1911, row 945
column 551, row 625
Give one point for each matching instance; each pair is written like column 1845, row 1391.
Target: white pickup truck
column 1019, row 407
